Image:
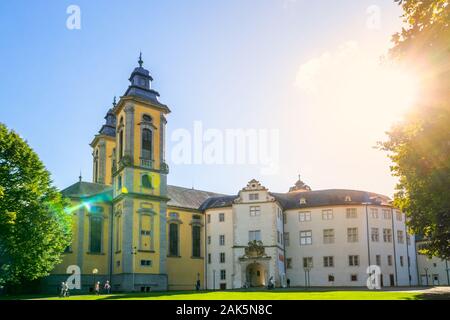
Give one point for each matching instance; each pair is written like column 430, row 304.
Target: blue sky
column 229, row 64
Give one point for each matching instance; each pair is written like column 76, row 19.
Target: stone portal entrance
column 256, row 275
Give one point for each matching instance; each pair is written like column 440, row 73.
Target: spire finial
column 299, row 177
column 80, row 177
column 140, row 60
column 114, row 101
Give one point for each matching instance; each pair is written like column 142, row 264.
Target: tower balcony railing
column 147, row 163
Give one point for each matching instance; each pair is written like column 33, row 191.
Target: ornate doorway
column 256, row 275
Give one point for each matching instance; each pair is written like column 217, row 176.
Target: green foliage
column 419, row 146
column 34, row 228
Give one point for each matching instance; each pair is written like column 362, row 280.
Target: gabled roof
column 187, row 197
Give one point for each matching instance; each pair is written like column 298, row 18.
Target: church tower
column 103, row 147
column 139, row 175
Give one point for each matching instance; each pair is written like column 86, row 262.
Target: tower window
column 146, row 181
column 120, row 144
column 146, row 118
column 146, row 144
column 119, row 183
column 96, row 166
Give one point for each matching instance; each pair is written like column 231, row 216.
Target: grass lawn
column 243, row 295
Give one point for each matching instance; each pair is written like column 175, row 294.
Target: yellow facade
column 184, row 270
column 121, row 221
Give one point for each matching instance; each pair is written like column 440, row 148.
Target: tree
column 419, row 146
column 34, row 227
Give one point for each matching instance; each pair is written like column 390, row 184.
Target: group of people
column 106, row 287
column 64, row 288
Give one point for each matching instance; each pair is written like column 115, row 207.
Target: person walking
column 97, row 288
column 66, row 290
column 107, row 287
column 61, row 289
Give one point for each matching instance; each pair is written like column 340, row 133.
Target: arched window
column 146, row 181
column 146, row 144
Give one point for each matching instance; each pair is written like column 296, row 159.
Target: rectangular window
column 253, row 196
column 401, row 261
column 208, row 217
column 327, row 214
column 286, row 239
column 375, row 235
column 378, row 259
column 304, row 216
column 196, row 241
column 255, row 211
column 331, row 278
column 398, row 215
column 353, row 261
column 408, row 239
column 354, row 277
column 289, row 263
column 223, row 274
column 222, row 257
column 221, row 217
column 352, row 234
column 145, row 238
column 328, row 262
column 222, row 240
column 328, row 236
column 387, row 235
column 400, row 236
column 173, row 239
column 254, row 235
column 307, row 262
column 351, row 213
column 389, row 260
column 387, row 214
column 374, row 213
column 95, row 245
column 209, row 239
column 146, row 263
column 305, row 237
column 209, row 258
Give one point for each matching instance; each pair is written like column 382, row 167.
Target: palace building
column 131, row 228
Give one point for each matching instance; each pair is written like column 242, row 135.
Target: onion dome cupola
column 300, row 186
column 109, row 128
column 141, row 83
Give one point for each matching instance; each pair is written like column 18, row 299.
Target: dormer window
column 302, row 200
column 348, row 199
